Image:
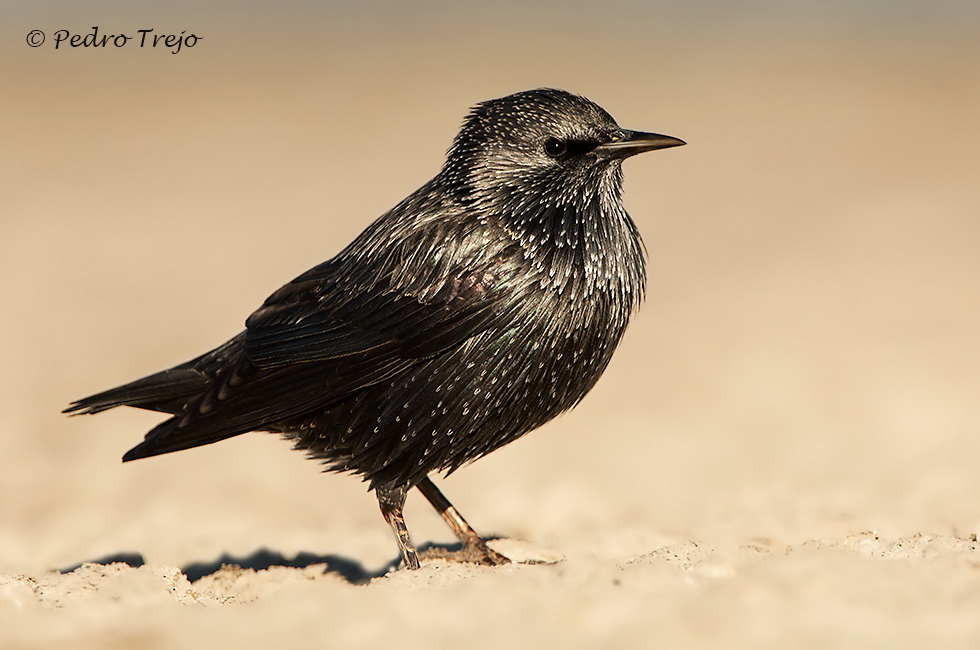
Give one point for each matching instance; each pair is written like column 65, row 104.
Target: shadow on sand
column 350, row 570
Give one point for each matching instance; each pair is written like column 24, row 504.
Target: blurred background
column 805, row 366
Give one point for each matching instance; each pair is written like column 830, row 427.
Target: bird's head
column 542, row 145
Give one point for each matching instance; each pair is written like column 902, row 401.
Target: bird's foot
column 473, row 552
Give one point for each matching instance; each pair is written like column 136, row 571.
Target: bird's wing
column 322, row 338
column 403, row 291
column 309, row 320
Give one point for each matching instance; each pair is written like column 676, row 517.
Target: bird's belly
column 463, row 404
column 517, row 379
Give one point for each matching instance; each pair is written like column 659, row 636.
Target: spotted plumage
column 480, row 307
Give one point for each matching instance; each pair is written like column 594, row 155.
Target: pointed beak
column 629, row 143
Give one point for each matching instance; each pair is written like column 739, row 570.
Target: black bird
column 477, row 309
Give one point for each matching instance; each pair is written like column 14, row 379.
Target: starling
column 477, row 309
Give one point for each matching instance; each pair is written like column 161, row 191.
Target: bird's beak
column 629, row 143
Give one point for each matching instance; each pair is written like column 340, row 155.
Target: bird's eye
column 555, row 147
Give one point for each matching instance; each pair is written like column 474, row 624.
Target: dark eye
column 555, row 147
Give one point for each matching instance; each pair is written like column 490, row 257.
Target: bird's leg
column 474, row 548
column 392, row 500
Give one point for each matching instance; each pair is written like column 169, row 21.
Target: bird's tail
column 168, row 391
column 165, row 391
column 179, row 391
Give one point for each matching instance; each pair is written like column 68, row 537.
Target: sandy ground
column 783, row 453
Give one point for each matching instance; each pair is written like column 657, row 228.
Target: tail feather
column 167, row 437
column 178, row 391
column 165, row 391
column 239, row 399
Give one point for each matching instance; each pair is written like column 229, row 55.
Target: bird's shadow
column 345, row 568
column 348, row 569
